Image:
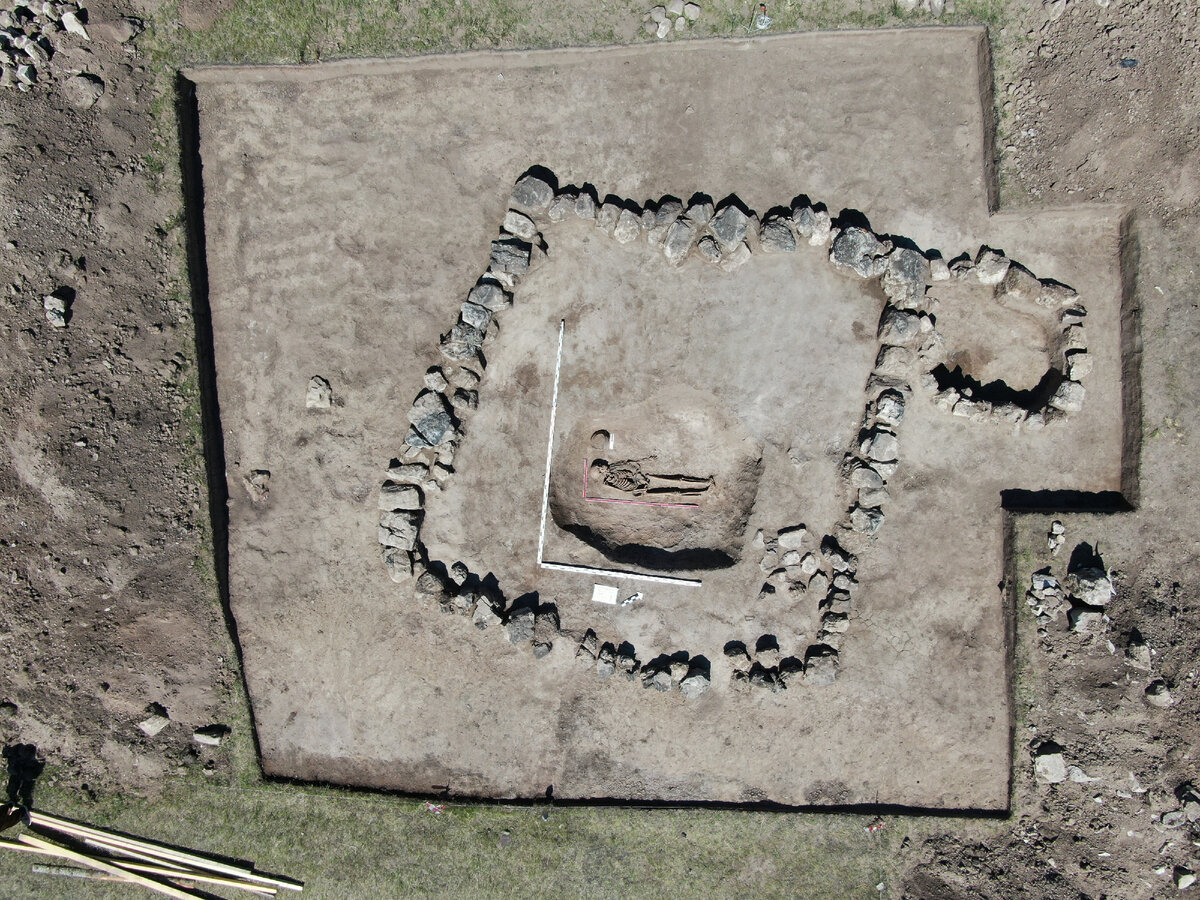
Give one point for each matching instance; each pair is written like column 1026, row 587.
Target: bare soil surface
column 102, row 475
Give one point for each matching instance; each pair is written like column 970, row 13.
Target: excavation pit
column 347, row 220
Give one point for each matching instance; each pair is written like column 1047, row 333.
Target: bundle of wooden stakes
column 116, row 857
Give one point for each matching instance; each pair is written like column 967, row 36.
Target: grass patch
column 348, row 845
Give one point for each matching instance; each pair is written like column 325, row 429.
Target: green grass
column 348, row 845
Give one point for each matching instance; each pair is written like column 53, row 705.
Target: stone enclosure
column 675, row 326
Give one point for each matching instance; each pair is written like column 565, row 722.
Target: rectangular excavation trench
column 345, row 218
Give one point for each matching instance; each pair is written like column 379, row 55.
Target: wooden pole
column 158, row 852
column 174, row 874
column 51, row 849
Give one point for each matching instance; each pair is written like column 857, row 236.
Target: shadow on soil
column 188, row 116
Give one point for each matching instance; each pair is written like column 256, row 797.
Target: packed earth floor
column 201, row 310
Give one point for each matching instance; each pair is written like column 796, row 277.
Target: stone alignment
column 910, row 346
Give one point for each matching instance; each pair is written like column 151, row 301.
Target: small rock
column 399, row 564
column 1158, row 694
column 734, row 258
column 605, row 661
column 82, row 91
column 399, row 529
column 675, row 8
column 1184, row 877
column 435, row 379
column 56, row 310
column 156, row 722
column 691, row 11
column 1049, row 765
column 881, row 446
column 664, row 28
column 70, row 22
column 585, row 206
column 658, row 14
column 520, row 626
column 210, row 735
column 680, row 24
column 889, row 408
column 660, row 680
column 319, row 394
column 1078, row 776
column 939, row 269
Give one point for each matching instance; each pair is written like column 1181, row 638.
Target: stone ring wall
column 798, row 568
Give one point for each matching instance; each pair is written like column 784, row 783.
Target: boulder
column 1068, row 397
column 866, row 521
column 82, row 91
column 858, row 250
column 476, row 316
column 889, row 408
column 490, row 296
column 585, row 206
column 1020, row 284
column 1086, row 619
column 485, row 615
column 822, row 228
column 531, row 194
column 990, row 266
column 906, row 275
column 520, row 625
column 606, row 661
column 680, row 237
column 519, row 224
column 562, row 206
column 777, row 237
column 1091, row 586
column 709, row 249
column 628, row 227
column 659, row 680
column 898, row 327
column 694, row 685
column 881, row 446
column 820, row 667
column 1048, row 763
column 792, row 537
column 734, row 258
column 589, row 647
column 511, row 255
column 394, row 496
column 399, row 529
column 729, row 227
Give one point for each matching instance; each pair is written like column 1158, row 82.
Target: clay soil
column 112, row 602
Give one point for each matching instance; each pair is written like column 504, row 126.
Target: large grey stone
column 1068, row 397
column 462, row 343
column 729, row 227
column 694, row 685
column 520, row 626
column 678, row 244
column 511, row 255
column 531, row 194
column 777, row 237
column 520, row 225
column 628, row 227
column 858, row 250
column 490, row 296
column 399, row 496
column 899, row 327
column 399, row 529
column 1091, row 586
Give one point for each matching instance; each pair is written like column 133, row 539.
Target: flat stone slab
column 350, row 207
